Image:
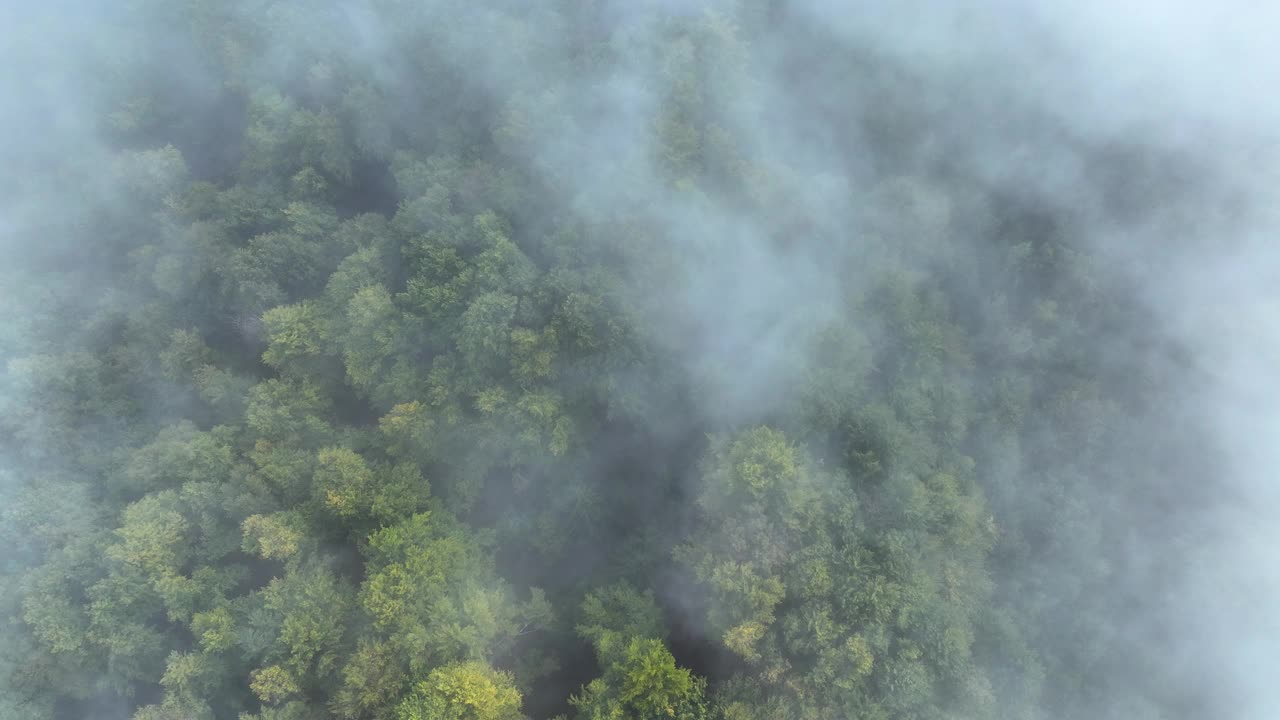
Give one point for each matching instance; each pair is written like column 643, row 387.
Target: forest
column 583, row 360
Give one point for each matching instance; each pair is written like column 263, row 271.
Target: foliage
column 430, row 378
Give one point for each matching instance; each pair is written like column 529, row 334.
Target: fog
column 1024, row 98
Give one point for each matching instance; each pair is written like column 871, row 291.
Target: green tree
column 462, row 691
column 641, row 681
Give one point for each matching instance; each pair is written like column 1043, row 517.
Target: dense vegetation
column 418, row 360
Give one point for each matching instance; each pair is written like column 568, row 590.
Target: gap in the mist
column 350, row 408
column 647, row 470
column 550, row 697
column 372, row 190
column 696, row 651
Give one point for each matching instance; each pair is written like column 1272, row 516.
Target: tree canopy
column 442, row 360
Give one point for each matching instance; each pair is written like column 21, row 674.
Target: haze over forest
column 639, row 360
